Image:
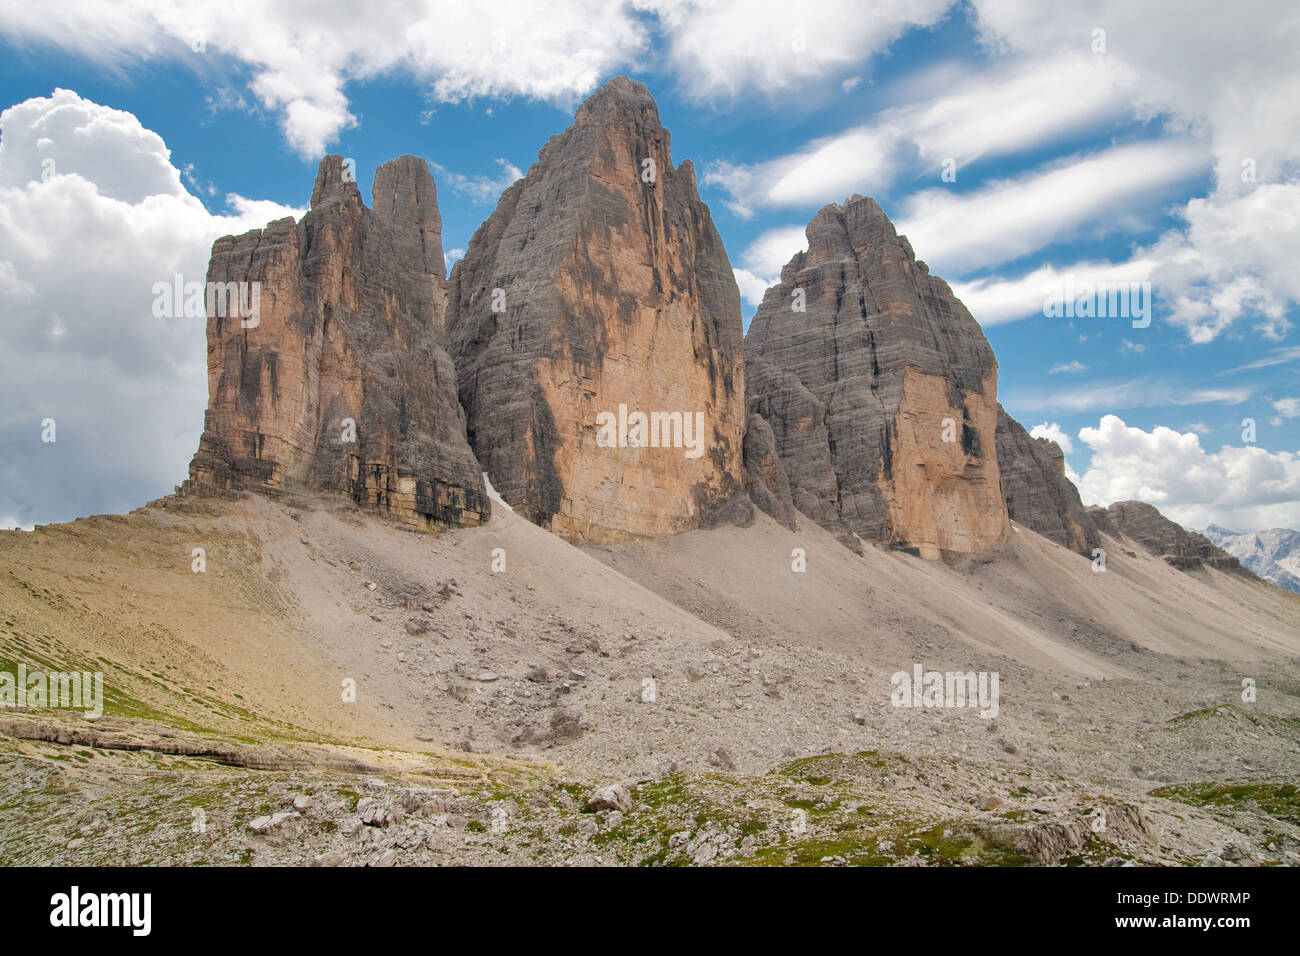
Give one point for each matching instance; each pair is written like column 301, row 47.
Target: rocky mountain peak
column 340, row 383
column 1272, row 554
column 1219, row 531
column 600, row 287
column 406, row 196
column 619, row 99
column 1145, row 525
column 880, row 390
column 334, row 183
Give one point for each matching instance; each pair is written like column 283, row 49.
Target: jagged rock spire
column 340, row 382
column 600, row 284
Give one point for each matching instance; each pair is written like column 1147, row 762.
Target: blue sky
column 1077, row 156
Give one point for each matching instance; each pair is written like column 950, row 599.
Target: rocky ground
column 90, row 802
column 492, row 706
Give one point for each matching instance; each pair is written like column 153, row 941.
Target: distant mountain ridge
column 1274, row 554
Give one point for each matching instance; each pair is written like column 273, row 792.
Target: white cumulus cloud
column 1053, row 432
column 77, row 267
column 762, row 261
column 1234, row 258
column 719, row 48
column 302, row 57
column 1237, row 486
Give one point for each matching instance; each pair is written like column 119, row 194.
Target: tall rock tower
column 599, row 291
column 340, row 382
column 880, row 390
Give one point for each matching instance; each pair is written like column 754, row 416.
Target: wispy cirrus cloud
column 480, row 189
column 1226, row 73
column 994, row 300
column 1218, row 82
column 1104, row 192
column 1034, row 102
column 1280, row 356
column 1145, row 392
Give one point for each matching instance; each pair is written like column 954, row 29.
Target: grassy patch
column 1280, row 800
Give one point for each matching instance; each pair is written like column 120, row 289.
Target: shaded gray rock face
column 600, row 283
column 1144, row 524
column 342, row 383
column 1038, row 494
column 880, row 390
column 797, row 421
column 765, row 479
column 405, row 195
column 1270, row 554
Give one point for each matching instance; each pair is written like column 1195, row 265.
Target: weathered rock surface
column 880, row 389
column 797, row 421
column 341, row 384
column 1038, row 494
column 615, row 797
column 600, row 282
column 765, row 479
column 1145, row 525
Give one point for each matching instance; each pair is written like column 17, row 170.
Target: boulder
column 615, row 797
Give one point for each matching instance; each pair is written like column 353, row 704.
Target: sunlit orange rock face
column 880, row 390
column 340, row 382
column 598, row 284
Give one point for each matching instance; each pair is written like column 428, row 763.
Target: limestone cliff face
column 600, row 286
column 765, row 479
column 880, row 389
column 1038, row 494
column 1145, row 525
column 340, row 383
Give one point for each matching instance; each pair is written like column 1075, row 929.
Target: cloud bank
column 92, row 214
